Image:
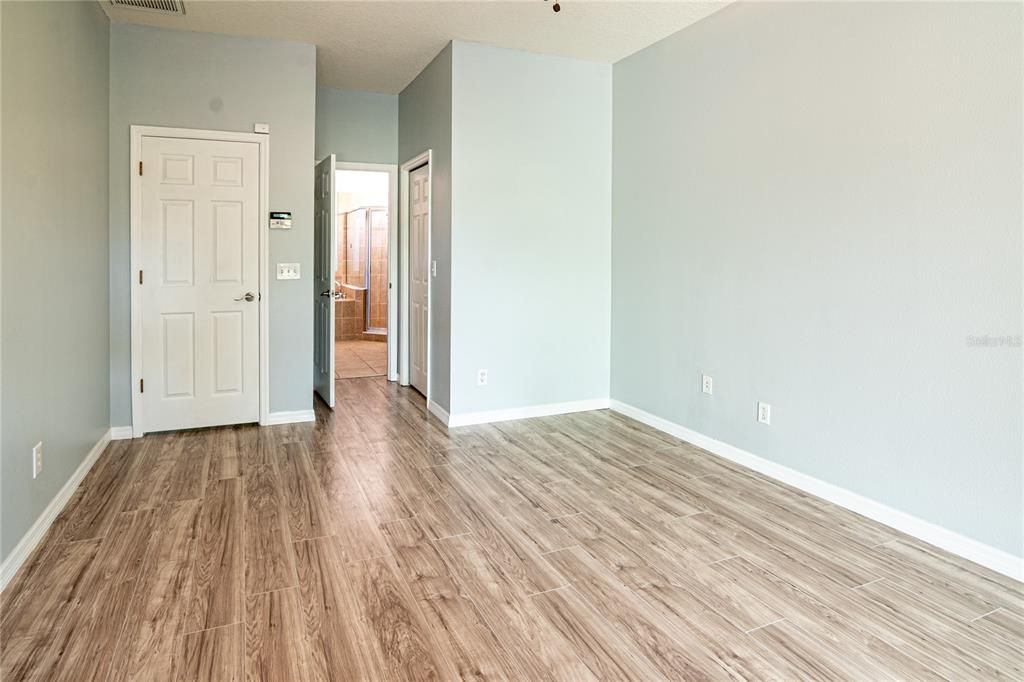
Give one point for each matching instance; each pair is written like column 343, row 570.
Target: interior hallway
column 374, row 544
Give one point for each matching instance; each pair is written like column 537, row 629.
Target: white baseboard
column 951, row 541
column 469, row 418
column 293, row 417
column 438, row 412
column 121, row 433
column 29, row 541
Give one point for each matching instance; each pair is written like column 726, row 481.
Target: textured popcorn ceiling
column 380, row 46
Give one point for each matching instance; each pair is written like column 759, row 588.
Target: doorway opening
column 361, row 274
column 355, row 301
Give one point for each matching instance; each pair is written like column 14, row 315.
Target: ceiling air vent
column 161, row 6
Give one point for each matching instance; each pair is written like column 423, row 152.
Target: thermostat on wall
column 280, row 220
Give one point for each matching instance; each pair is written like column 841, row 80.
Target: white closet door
column 419, row 233
column 200, row 283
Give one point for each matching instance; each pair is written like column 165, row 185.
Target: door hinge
column 140, row 168
column 140, row 276
column 142, row 385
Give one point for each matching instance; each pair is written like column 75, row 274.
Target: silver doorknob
column 249, row 297
column 326, row 293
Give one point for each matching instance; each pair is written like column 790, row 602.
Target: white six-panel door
column 325, row 265
column 419, row 233
column 200, row 282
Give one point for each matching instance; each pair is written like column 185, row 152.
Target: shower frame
column 368, row 269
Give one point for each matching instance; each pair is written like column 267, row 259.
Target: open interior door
column 325, row 263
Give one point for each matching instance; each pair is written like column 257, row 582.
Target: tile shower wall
column 340, row 276
column 378, row 294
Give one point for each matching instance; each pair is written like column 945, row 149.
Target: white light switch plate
column 288, row 271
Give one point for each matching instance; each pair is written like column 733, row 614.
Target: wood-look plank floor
column 376, row 545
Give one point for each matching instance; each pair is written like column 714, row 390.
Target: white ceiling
column 380, row 45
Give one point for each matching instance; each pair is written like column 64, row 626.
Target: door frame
column 418, row 161
column 392, row 170
column 263, row 141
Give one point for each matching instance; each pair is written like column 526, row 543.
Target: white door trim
column 392, row 170
column 137, row 133
column 424, row 158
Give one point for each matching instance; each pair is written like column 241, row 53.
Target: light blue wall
column 196, row 80
column 357, row 126
column 531, row 228
column 55, row 305
column 817, row 204
column 425, row 122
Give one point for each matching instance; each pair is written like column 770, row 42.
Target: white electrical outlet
column 481, row 377
column 705, row 383
column 37, row 460
column 433, row 268
column 764, row 413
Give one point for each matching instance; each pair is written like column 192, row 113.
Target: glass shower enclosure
column 366, row 263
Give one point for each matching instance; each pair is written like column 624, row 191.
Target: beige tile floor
column 354, row 359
